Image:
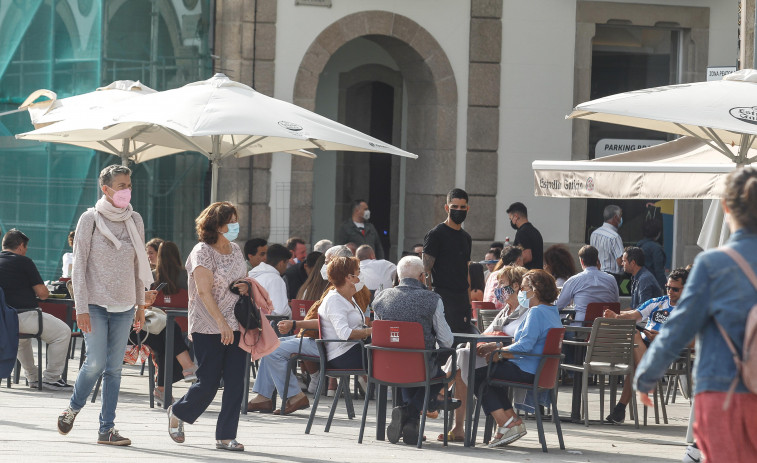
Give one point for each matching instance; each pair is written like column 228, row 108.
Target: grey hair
column 611, row 211
column 409, row 267
column 338, row 251
column 323, row 246
column 107, row 174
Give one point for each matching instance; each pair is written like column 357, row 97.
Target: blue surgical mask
column 233, row 232
column 523, row 299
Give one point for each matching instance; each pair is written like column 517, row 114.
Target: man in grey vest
column 411, row 301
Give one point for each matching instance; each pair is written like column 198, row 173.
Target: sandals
column 451, row 437
column 233, row 445
column 508, row 435
column 177, row 433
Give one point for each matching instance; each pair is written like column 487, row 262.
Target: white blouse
column 338, row 318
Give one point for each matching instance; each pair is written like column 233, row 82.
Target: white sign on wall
column 718, row 72
column 608, row 146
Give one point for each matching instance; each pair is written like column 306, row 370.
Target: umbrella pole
column 125, row 152
column 214, row 168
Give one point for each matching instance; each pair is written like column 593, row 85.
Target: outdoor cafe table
column 474, row 339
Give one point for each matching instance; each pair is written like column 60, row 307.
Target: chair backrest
column 179, row 300
column 397, row 367
column 595, row 310
column 481, row 305
column 486, row 317
column 59, row 311
column 611, row 341
column 553, row 346
column 300, row 308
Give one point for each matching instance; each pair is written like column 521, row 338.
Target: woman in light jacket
column 716, row 290
column 110, row 274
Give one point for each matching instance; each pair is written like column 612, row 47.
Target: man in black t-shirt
column 22, row 285
column 446, row 255
column 526, row 236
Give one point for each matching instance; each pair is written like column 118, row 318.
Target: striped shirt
column 610, row 246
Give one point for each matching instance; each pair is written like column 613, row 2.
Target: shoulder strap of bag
column 742, row 263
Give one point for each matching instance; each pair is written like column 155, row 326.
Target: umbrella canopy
column 721, row 113
column 51, row 111
column 217, row 117
column 686, row 168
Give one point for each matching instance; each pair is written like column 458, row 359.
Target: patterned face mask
column 503, row 292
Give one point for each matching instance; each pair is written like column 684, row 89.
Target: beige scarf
column 105, row 210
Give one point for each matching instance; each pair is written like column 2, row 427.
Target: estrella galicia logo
column 290, row 126
column 589, row 184
column 746, row 114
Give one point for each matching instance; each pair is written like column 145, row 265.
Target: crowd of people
column 116, row 276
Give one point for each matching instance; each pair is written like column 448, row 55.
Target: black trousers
column 457, row 309
column 215, row 361
column 496, row 397
column 353, row 359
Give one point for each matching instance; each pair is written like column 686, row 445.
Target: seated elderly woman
column 273, row 367
column 537, row 291
column 507, row 321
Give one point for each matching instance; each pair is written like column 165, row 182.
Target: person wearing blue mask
column 607, row 240
column 215, row 264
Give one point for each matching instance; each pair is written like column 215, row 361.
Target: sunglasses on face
column 673, row 288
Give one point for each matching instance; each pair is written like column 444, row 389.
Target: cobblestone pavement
column 28, row 432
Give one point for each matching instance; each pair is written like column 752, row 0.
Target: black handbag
column 245, row 310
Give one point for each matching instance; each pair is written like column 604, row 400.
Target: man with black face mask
column 527, row 236
column 446, row 255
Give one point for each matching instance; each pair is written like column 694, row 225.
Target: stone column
column 242, row 34
column 482, row 142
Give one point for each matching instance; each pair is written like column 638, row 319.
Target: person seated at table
column 169, row 270
column 152, row 248
column 68, row 258
column 591, row 285
column 411, row 301
column 315, row 285
column 510, row 255
column 269, row 275
column 537, row 291
column 656, row 311
column 506, row 322
column 22, row 285
column 273, row 368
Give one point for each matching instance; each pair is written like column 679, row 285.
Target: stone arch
column 431, row 114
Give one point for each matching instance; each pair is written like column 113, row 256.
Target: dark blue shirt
column 644, row 287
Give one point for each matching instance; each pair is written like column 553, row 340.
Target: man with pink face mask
column 110, row 274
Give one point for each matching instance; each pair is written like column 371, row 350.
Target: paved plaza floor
column 28, row 432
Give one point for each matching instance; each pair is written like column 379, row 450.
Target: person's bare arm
column 625, row 315
column 428, row 264
column 41, row 291
column 360, row 333
column 285, row 326
column 527, row 257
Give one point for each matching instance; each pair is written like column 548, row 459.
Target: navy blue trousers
column 496, row 397
column 215, row 361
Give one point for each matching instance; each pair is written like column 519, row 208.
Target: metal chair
column 397, row 357
column 485, row 317
column 38, row 337
column 544, row 380
column 609, row 351
column 481, row 305
column 342, row 375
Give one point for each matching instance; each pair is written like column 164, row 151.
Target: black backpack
column 245, row 310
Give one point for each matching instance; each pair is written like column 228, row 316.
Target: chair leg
column 348, row 399
column 39, row 363
column 151, row 382
column 539, row 424
column 585, row 394
column 601, row 381
column 97, row 388
column 488, row 429
column 477, row 415
column 284, row 396
column 316, row 399
column 556, row 418
column 423, row 415
column 636, row 411
column 368, row 392
column 656, row 406
column 446, row 412
column 339, row 389
column 662, row 405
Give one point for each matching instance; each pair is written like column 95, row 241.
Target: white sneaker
column 692, row 455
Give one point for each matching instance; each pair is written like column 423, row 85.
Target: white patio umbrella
column 686, row 168
column 217, row 117
column 54, row 110
column 721, row 113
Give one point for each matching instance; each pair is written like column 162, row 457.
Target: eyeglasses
column 673, row 288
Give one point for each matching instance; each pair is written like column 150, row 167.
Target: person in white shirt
column 607, row 240
column 269, row 273
column 68, row 258
column 377, row 273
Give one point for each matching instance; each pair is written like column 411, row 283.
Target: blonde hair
column 513, row 273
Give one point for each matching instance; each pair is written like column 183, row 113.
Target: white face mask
column 367, row 214
column 360, row 283
column 325, row 272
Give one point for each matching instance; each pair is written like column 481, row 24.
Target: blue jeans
column 273, row 367
column 106, row 344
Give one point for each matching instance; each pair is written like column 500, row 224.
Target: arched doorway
column 399, row 62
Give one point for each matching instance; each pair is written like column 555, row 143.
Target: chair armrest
column 575, row 343
column 578, row 329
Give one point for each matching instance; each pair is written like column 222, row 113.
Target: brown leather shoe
column 300, row 404
column 262, row 407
